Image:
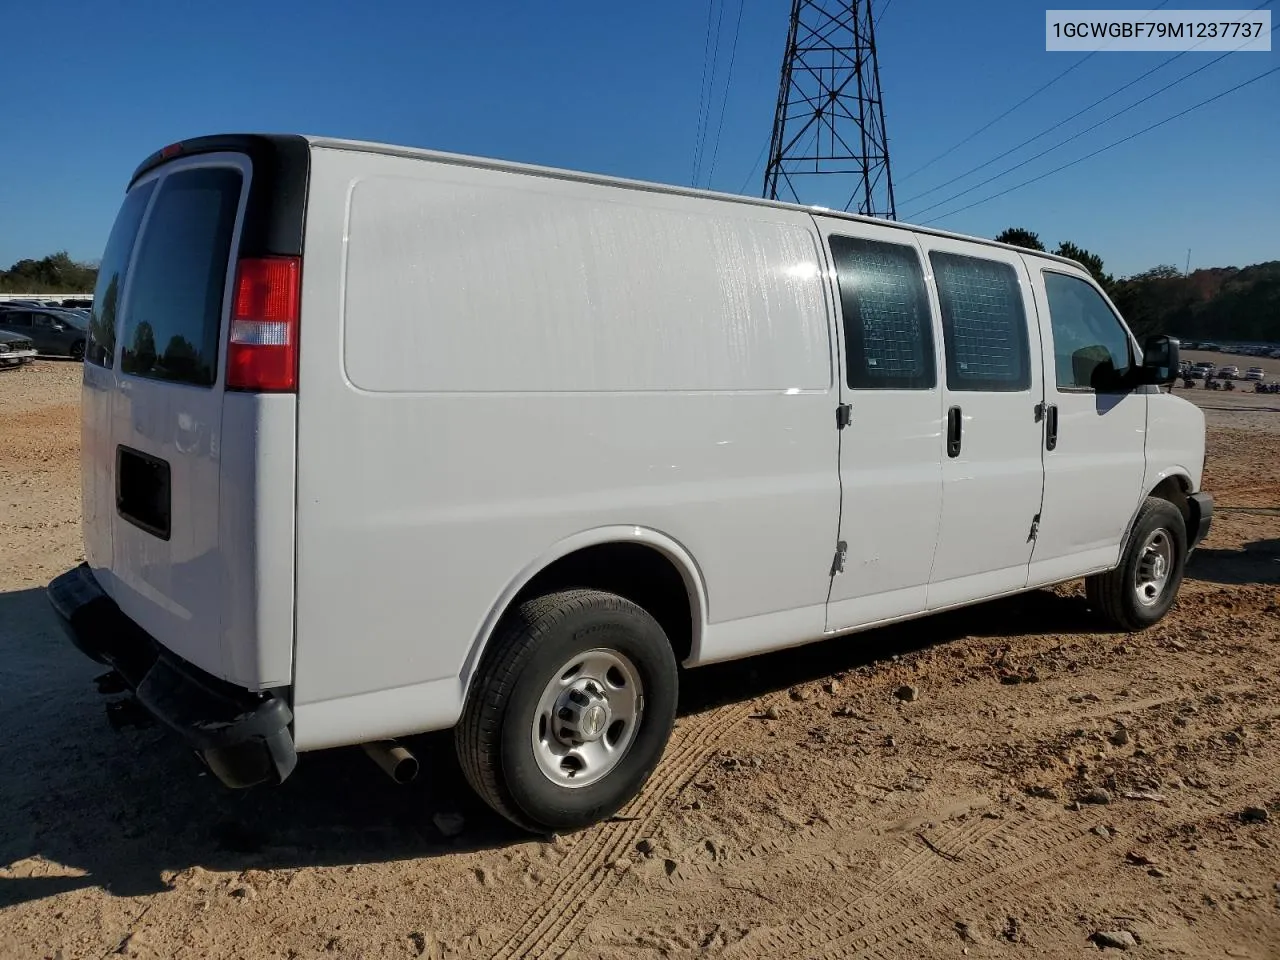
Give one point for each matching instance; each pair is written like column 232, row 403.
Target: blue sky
column 614, row 88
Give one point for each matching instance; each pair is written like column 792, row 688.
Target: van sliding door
column 993, row 390
column 890, row 452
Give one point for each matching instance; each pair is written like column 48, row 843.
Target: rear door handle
column 1051, row 427
column 954, row 428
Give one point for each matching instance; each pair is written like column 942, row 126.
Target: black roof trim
column 277, row 205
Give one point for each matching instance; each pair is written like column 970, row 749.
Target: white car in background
column 1256, row 374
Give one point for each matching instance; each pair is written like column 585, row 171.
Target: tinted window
column 888, row 332
column 1088, row 341
column 106, row 293
column 15, row 318
column 175, row 296
column 984, row 324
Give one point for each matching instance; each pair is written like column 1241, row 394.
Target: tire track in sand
column 586, row 877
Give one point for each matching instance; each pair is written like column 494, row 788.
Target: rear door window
column 101, row 349
column 173, row 323
column 15, row 318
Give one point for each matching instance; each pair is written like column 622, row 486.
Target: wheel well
column 1175, row 489
column 640, row 573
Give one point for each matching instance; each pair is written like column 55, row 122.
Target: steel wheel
column 587, row 718
column 1154, row 567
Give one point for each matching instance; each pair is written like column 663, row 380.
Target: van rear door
column 190, row 403
column 168, row 563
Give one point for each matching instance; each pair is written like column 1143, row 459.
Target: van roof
column 245, row 141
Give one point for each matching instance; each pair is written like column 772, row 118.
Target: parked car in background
column 1255, row 373
column 55, row 332
column 15, row 350
column 1200, row 371
column 1229, row 372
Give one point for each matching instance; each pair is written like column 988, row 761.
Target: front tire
column 1141, row 590
column 569, row 710
column 77, row 351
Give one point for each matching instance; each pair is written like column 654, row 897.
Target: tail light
column 262, row 349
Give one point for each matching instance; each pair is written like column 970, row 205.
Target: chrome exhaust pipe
column 394, row 759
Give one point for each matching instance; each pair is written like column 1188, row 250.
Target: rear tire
column 569, row 710
column 1141, row 590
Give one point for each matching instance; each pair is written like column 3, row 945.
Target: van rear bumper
column 242, row 737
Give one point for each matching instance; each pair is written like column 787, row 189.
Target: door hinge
column 844, row 415
column 837, row 564
column 1035, row 528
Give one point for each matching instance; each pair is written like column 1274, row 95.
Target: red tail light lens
column 262, row 351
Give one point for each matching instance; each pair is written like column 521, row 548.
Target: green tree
column 54, row 274
column 1090, row 261
column 1020, row 237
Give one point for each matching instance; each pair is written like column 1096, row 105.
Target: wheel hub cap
column 1155, row 565
column 583, row 713
column 587, row 717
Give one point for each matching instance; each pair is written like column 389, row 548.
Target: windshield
column 74, row 320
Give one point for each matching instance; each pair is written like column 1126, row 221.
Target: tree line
column 1217, row 303
column 56, row 273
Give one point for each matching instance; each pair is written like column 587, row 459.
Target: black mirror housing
column 1160, row 357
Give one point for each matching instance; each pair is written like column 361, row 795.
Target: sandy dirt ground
column 1006, row 781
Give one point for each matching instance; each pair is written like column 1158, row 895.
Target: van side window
column 101, row 349
column 984, row 324
column 888, row 330
column 1088, row 340
column 174, row 316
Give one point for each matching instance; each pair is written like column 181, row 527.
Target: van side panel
column 494, row 362
column 571, row 290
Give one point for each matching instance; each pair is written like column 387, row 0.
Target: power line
column 724, row 101
column 1061, row 123
column 702, row 91
column 1070, row 139
column 991, row 123
column 711, row 92
column 1116, row 143
column 754, row 167
column 882, row 10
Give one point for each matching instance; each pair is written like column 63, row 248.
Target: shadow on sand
column 123, row 806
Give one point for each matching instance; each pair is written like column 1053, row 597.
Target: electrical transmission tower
column 830, row 117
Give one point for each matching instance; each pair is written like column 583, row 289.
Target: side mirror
column 1159, row 361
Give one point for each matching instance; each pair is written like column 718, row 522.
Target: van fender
column 1151, row 482
column 672, row 549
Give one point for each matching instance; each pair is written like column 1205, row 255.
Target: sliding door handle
column 955, row 424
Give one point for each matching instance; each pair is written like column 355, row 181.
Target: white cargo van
column 379, row 441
